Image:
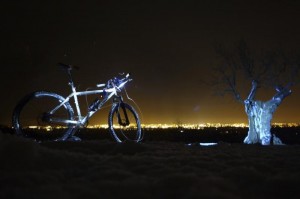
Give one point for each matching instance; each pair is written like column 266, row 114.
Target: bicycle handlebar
column 116, row 82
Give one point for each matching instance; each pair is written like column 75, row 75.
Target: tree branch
column 282, row 92
column 253, row 91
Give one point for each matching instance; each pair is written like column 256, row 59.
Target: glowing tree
column 267, row 69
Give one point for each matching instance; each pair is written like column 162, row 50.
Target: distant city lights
column 199, row 126
column 181, row 126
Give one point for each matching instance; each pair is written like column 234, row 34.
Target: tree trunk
column 260, row 115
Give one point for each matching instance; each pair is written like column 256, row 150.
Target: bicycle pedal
column 74, row 139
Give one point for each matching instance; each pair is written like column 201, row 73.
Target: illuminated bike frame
column 95, row 106
column 120, row 109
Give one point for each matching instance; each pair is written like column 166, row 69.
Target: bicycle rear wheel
column 124, row 123
column 31, row 117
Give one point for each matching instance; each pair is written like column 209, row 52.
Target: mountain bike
column 54, row 115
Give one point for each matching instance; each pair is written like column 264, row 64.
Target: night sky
column 167, row 46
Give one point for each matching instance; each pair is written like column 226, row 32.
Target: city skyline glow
column 181, row 126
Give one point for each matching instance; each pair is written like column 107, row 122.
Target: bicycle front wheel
column 124, row 123
column 32, row 117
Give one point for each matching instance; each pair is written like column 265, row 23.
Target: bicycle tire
column 28, row 118
column 126, row 132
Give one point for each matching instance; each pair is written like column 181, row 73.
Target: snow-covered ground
column 153, row 169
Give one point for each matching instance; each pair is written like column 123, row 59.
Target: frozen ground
column 104, row 169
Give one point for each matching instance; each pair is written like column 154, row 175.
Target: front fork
column 121, row 111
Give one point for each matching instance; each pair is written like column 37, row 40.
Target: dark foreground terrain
column 163, row 166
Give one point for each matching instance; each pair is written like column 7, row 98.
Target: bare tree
column 264, row 69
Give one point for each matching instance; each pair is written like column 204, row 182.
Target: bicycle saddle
column 67, row 67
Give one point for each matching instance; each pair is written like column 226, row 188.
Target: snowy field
column 160, row 167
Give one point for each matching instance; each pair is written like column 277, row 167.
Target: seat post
column 68, row 69
column 71, row 83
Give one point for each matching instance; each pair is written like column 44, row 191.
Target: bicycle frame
column 82, row 120
column 65, row 120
